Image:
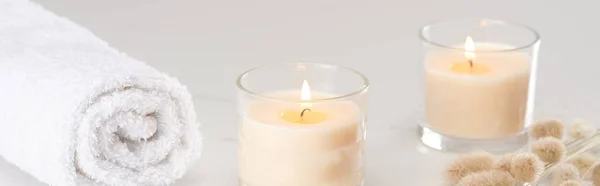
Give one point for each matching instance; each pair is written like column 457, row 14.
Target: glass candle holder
column 301, row 124
column 479, row 83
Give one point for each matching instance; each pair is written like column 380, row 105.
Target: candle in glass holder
column 477, row 97
column 479, row 93
column 300, row 138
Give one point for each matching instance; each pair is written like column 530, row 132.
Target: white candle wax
column 484, row 104
column 275, row 152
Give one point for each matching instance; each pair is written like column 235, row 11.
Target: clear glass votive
column 301, row 124
column 479, row 85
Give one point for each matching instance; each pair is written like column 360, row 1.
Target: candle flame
column 305, row 94
column 469, row 48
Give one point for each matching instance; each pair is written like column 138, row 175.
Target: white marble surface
column 208, row 43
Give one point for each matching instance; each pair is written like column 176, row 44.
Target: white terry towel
column 74, row 111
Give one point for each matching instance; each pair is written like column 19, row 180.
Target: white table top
column 208, row 43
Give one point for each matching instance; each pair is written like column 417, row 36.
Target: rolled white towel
column 74, row 111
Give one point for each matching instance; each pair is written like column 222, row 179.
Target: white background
column 206, row 44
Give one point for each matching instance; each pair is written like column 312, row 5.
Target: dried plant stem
column 574, row 148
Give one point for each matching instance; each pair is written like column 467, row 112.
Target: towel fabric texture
column 74, row 111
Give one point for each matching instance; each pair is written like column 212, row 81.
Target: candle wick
column 302, row 113
column 471, row 65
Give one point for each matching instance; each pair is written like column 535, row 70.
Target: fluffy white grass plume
column 564, row 172
column 526, row 167
column 488, row 178
column 547, row 128
column 549, row 149
column 469, row 163
column 504, row 162
column 583, row 162
column 581, row 129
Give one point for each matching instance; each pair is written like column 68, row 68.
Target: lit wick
column 470, row 65
column 302, row 113
column 470, row 51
